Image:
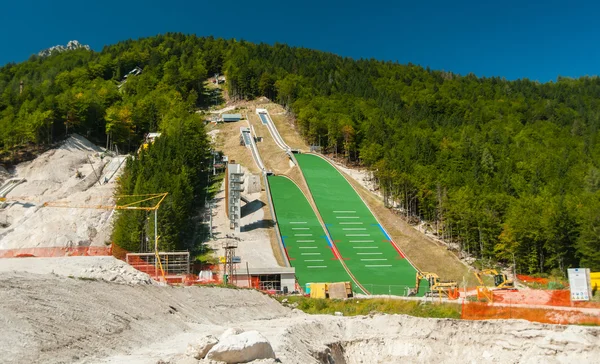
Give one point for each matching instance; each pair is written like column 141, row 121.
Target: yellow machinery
column 595, row 280
column 501, row 281
column 318, row 290
column 436, row 286
column 339, row 290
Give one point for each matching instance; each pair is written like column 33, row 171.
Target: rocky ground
column 92, row 268
column 55, row 319
column 70, row 173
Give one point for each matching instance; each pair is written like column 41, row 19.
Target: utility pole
column 156, row 230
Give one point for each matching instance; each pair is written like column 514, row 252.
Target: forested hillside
column 503, row 168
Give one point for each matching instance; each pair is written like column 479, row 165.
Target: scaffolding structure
column 168, row 265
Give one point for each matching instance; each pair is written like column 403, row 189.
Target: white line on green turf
column 354, row 228
column 302, row 234
column 305, row 241
column 377, row 265
column 344, row 212
column 310, row 253
column 358, row 234
column 316, row 266
column 371, row 259
column 351, row 223
column 362, row 241
column 313, row 260
column 307, row 247
column 347, row 217
column 300, row 228
column 298, row 222
column 369, row 253
column 364, row 247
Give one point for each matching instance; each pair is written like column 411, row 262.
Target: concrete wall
column 242, row 281
column 253, row 184
column 288, row 280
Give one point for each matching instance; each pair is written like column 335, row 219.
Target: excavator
column 436, row 286
column 501, row 281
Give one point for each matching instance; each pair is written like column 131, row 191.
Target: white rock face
column 199, row 349
column 242, row 348
column 72, row 45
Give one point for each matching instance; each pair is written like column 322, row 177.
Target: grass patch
column 354, row 307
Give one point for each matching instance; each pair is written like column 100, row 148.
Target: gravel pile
column 98, row 268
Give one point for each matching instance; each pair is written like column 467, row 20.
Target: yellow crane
column 501, row 281
column 436, row 285
column 136, row 202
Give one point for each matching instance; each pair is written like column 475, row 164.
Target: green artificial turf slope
column 303, row 237
column 365, row 247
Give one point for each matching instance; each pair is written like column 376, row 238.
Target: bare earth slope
column 53, row 176
column 53, row 319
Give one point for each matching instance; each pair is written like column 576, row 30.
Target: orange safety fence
column 530, row 279
column 541, row 297
column 143, row 266
column 52, row 252
column 550, row 315
column 119, row 252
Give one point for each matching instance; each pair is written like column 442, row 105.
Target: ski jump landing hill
column 339, row 241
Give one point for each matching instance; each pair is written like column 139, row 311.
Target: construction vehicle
column 501, row 281
column 436, row 286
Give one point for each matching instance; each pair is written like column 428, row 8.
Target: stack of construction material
column 339, row 290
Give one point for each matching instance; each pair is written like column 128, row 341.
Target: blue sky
column 539, row 40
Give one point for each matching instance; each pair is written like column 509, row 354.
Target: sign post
column 579, row 280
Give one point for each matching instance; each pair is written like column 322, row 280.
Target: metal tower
column 229, row 266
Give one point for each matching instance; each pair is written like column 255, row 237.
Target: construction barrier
column 53, row 252
column 547, row 315
column 119, row 252
column 540, row 297
column 530, row 279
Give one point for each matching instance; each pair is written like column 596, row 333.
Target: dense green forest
column 504, row 169
column 175, row 163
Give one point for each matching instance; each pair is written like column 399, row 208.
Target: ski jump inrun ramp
column 342, row 240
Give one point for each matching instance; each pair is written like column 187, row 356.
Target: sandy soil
column 274, row 158
column 257, row 242
column 286, row 126
column 51, row 177
column 53, row 319
column 227, row 139
column 102, row 268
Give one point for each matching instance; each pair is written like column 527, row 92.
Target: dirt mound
column 99, row 268
column 69, row 172
column 54, row 319
column 50, row 319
